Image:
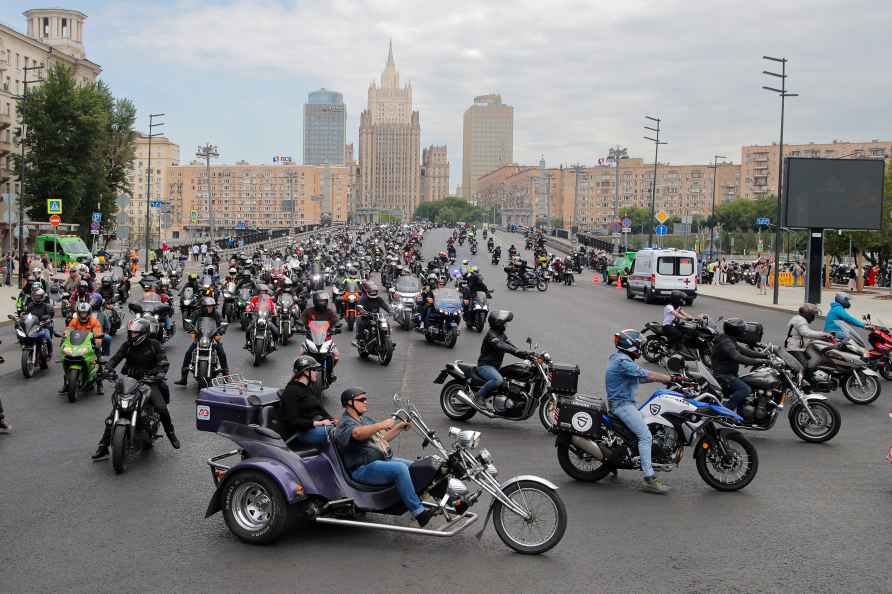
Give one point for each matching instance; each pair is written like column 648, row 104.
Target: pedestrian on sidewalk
column 763, row 278
column 853, row 280
column 195, row 250
column 723, row 272
column 9, row 266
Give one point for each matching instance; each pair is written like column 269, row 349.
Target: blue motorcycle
column 271, row 486
column 444, row 321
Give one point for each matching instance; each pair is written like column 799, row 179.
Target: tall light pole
column 25, row 84
column 715, row 172
column 780, row 162
column 208, row 152
column 615, row 155
column 653, row 191
column 148, row 231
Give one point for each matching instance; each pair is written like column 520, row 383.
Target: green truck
column 620, row 267
column 62, row 249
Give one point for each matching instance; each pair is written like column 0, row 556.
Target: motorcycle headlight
column 398, row 305
column 68, row 351
column 351, row 298
column 125, row 403
column 20, row 332
column 444, row 312
column 469, row 439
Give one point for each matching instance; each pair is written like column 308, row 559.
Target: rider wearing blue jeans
column 622, row 378
column 365, row 448
column 492, row 352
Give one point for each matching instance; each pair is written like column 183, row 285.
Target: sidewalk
column 876, row 302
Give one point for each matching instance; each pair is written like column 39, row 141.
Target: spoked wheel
column 864, row 393
column 545, row 525
column 581, row 465
column 826, row 427
column 27, row 363
column 652, row 349
column 254, row 508
column 542, row 285
column 120, row 448
column 548, row 411
column 732, row 471
column 452, row 405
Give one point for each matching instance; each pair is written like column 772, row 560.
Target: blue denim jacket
column 838, row 312
column 622, row 378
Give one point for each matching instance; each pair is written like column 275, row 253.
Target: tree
column 641, row 221
column 450, row 211
column 79, row 147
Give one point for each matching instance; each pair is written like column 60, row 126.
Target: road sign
column 55, row 220
column 155, row 203
column 661, row 229
column 97, row 217
column 662, row 216
column 194, row 216
column 627, row 229
column 765, row 221
column 627, row 222
column 54, row 206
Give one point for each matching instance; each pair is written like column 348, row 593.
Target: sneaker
column 652, row 484
column 5, row 427
column 424, row 517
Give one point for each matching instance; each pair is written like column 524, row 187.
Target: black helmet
column 809, row 311
column 304, row 363
column 137, row 330
column 83, row 311
column 83, row 286
column 628, row 342
column 677, row 298
column 734, row 327
column 106, row 281
column 320, row 301
column 844, row 300
column 348, row 395
column 499, row 318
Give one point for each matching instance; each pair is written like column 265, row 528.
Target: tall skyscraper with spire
column 389, row 149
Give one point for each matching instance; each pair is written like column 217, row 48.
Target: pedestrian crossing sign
column 54, row 206
column 194, row 216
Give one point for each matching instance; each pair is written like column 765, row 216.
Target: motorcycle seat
column 470, row 372
column 331, row 451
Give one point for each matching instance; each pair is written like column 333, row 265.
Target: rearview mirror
column 11, row 317
column 529, row 341
column 675, row 364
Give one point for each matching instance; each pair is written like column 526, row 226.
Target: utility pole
column 207, row 152
column 715, row 172
column 653, row 190
column 148, row 230
column 780, row 163
column 25, row 84
column 616, row 154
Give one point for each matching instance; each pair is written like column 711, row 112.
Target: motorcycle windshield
column 29, row 323
column 244, row 294
column 264, row 306
column 449, row 299
column 849, row 333
column 151, row 302
column 408, row 284
column 351, row 286
column 286, row 300
column 480, row 297
column 791, row 361
column 188, row 293
column 318, row 332
column 78, row 337
column 230, row 287
column 704, row 373
column 207, row 327
column 117, row 273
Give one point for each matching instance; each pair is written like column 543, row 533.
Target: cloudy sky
column 580, row 75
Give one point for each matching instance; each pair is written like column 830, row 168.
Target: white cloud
column 580, row 74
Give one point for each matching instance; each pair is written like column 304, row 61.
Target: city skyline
column 579, row 85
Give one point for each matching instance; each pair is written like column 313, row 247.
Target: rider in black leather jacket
column 492, row 351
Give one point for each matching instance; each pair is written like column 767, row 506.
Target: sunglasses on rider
column 361, row 399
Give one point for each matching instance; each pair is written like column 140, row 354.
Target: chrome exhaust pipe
column 587, row 446
column 464, row 397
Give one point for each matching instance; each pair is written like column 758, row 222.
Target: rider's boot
column 184, row 377
column 168, row 429
column 651, row 484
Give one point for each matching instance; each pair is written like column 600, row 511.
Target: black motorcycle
column 443, row 323
column 694, row 345
column 476, row 311
column 189, row 302
column 530, row 385
column 205, row 364
column 156, row 313
column 230, row 304
column 35, row 352
column 528, row 279
column 495, row 258
column 376, row 339
column 135, row 421
column 260, row 337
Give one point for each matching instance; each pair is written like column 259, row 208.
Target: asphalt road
column 815, row 519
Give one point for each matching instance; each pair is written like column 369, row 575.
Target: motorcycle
column 376, row 339
column 35, row 352
column 318, row 344
column 188, row 303
column 695, row 344
column 402, row 300
column 529, row 280
column 156, row 312
column 350, row 302
column 258, row 511
column 530, row 385
column 880, row 339
column 135, row 421
column 79, row 364
column 244, row 298
column 285, row 306
column 592, row 443
column 260, row 342
column 476, row 311
column 812, row 417
column 473, row 248
column 205, row 365
column 831, row 365
column 444, row 320
column 230, row 308
column 495, row 258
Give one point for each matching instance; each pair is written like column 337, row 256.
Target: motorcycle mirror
column 529, row 341
column 11, row 317
column 675, row 364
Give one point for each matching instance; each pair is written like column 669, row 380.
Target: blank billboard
column 834, row 193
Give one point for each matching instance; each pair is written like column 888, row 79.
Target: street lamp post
column 715, row 171
column 25, row 84
column 653, row 192
column 152, row 125
column 207, row 152
column 780, row 162
column 616, row 154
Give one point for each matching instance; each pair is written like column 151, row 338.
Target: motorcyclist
column 800, row 334
column 372, row 302
column 208, row 309
column 512, row 251
column 321, row 313
column 492, row 352
column 727, row 355
column 838, row 313
column 672, row 314
column 450, row 251
column 143, row 356
column 35, row 280
column 303, row 420
column 85, row 321
column 107, row 289
column 192, row 282
column 365, row 447
column 40, row 307
column 263, row 298
column 622, row 378
column 426, row 297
